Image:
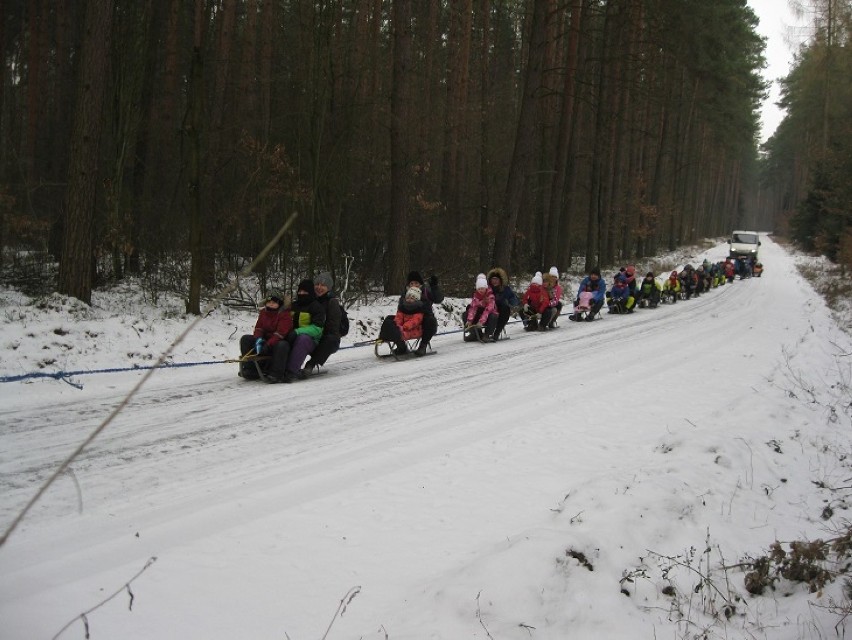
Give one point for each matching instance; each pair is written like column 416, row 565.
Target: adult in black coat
column 330, row 341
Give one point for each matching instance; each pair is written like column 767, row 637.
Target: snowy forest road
column 383, row 473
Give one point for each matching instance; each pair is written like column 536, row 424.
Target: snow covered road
column 429, row 481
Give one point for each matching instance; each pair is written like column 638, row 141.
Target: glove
column 526, row 308
column 259, row 344
column 433, row 281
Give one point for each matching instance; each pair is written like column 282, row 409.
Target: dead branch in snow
column 341, row 608
column 479, row 616
column 124, row 588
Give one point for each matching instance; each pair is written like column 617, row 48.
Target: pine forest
column 169, row 140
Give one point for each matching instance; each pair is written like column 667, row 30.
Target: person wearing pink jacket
column 482, row 312
column 551, row 282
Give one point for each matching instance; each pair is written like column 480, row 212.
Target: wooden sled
column 385, row 350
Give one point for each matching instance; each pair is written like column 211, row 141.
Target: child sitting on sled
column 506, row 299
column 649, row 291
column 584, row 303
column 269, row 340
column 405, row 325
column 592, row 284
column 481, row 313
column 536, row 309
column 671, row 288
column 550, row 281
column 619, row 299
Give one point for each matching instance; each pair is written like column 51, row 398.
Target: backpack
column 344, row 321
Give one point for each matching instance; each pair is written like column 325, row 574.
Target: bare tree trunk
column 613, row 201
column 267, row 35
column 192, row 131
column 458, row 61
column 430, row 15
column 623, row 243
column 400, row 146
column 659, row 177
column 485, row 131
column 597, row 216
column 524, row 149
column 557, row 216
column 37, row 53
column 75, row 269
column 212, row 150
column 5, row 142
column 164, row 176
column 248, row 72
column 548, row 128
column 129, row 71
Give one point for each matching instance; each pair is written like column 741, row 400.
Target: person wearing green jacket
column 308, row 322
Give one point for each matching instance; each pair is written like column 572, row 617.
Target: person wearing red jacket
column 535, row 304
column 410, row 324
column 274, row 323
column 730, row 270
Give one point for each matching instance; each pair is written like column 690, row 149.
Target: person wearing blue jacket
column 506, row 299
column 596, row 285
column 620, row 299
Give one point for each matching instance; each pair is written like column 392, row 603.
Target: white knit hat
column 536, row 278
column 554, row 271
column 481, row 282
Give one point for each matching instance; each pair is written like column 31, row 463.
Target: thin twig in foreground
column 341, row 608
column 479, row 616
column 125, row 587
column 162, row 359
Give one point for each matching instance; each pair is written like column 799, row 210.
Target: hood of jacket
column 500, row 273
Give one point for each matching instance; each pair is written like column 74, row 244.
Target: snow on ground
column 599, row 481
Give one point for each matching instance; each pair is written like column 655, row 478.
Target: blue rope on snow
column 65, row 375
column 62, row 375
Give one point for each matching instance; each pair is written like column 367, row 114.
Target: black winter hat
column 595, row 271
column 307, row 286
column 414, row 276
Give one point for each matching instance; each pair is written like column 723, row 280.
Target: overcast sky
column 777, row 24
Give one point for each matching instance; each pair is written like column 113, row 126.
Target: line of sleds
column 408, row 334
column 383, row 350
